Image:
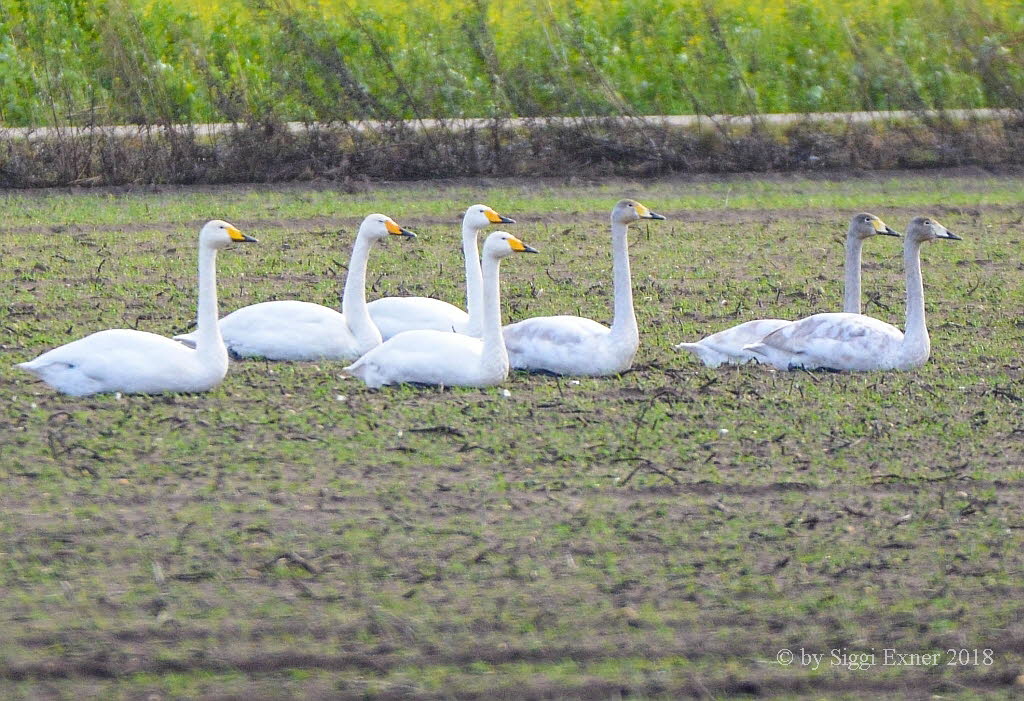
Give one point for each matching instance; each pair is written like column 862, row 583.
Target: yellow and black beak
column 520, row 247
column 495, row 218
column 395, row 230
column 644, row 213
column 883, row 229
column 238, row 236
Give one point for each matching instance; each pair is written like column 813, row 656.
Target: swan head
column 922, row 229
column 480, row 216
column 629, row 211
column 377, row 227
column 865, row 225
column 501, row 244
column 218, row 234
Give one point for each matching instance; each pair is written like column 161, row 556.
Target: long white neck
column 209, row 343
column 624, row 321
column 916, row 344
column 474, row 279
column 494, row 356
column 851, row 288
column 353, row 302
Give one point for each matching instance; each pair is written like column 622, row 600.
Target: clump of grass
column 271, row 152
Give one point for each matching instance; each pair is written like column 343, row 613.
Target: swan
column 727, row 346
column 392, row 315
column 293, row 330
column 431, row 357
column 137, row 362
column 844, row 341
column 573, row 345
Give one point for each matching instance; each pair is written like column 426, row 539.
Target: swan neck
column 209, row 343
column 474, row 279
column 493, row 356
column 851, row 287
column 915, row 335
column 353, row 301
column 624, row 320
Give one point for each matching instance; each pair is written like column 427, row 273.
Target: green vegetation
column 662, row 534
column 117, row 61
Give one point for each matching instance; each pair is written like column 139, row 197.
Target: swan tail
column 366, row 372
column 762, row 353
column 28, row 366
column 708, row 356
column 186, row 339
column 357, row 369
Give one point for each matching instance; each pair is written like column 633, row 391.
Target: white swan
column 728, row 346
column 573, row 345
column 432, row 357
column 392, row 315
column 293, row 330
column 846, row 341
column 137, row 362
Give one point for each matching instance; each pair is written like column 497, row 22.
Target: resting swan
column 727, row 346
column 137, row 362
column 293, row 330
column 856, row 342
column 430, row 357
column 573, row 345
column 392, row 315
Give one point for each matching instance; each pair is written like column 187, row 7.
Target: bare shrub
column 271, row 151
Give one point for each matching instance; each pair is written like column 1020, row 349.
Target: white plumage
column 432, row 357
column 837, row 340
column 294, row 330
column 728, row 346
column 393, row 315
column 856, row 342
column 137, row 362
column 572, row 345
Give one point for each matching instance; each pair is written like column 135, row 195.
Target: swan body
column 431, row 357
column 572, row 345
column 854, row 342
column 728, row 346
column 393, row 315
column 568, row 345
column 298, row 331
column 838, row 341
column 137, row 362
column 288, row 330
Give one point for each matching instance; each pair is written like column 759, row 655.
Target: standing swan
column 392, row 315
column 855, row 342
column 137, row 362
column 293, row 330
column 727, row 346
column 573, row 345
column 432, row 357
